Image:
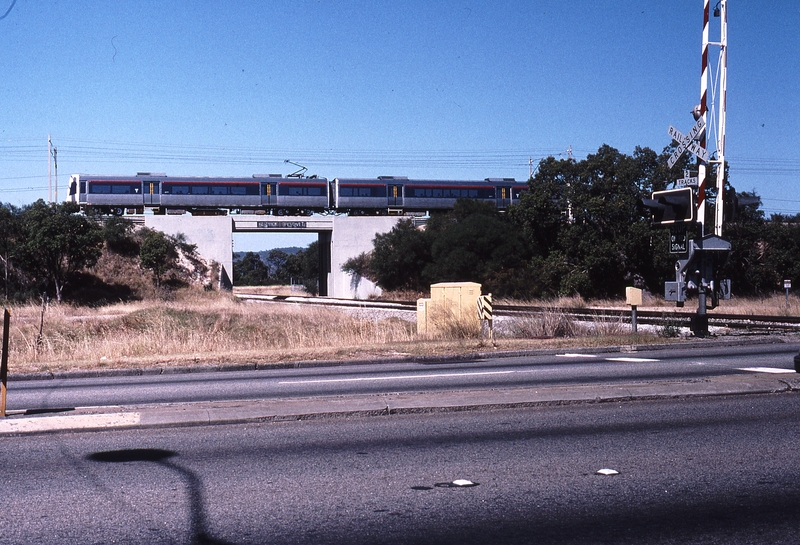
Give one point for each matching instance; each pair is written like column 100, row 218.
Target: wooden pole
column 4, row 363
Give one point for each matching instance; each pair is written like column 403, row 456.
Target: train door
column 269, row 194
column 395, row 192
column 151, row 192
column 503, row 197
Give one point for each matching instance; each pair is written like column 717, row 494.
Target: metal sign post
column 4, row 362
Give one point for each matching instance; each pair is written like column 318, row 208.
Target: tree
column 10, row 235
column 250, row 270
column 57, row 242
column 582, row 219
column 399, row 257
column 309, row 263
column 118, row 236
column 158, row 254
column 477, row 244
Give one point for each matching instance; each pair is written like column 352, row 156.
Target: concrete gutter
column 265, row 410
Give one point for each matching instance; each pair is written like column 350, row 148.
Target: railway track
column 751, row 323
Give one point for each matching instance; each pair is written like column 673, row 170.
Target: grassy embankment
column 198, row 327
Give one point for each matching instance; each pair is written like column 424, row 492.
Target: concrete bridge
column 340, row 238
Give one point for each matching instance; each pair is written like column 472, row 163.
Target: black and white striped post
column 485, row 311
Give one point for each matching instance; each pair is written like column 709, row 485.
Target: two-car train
column 279, row 195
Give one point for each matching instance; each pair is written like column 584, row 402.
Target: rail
column 743, row 322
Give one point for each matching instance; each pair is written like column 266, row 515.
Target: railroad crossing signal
column 673, row 206
column 688, row 142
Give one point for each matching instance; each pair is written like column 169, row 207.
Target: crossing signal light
column 673, row 206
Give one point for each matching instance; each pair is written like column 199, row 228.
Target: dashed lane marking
column 397, row 377
column 773, row 370
column 631, row 360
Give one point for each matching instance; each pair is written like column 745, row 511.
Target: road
column 714, row 470
column 530, row 371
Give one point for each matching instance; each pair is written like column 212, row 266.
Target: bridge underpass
column 340, row 238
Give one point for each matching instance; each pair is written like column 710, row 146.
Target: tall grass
column 207, row 327
column 210, row 327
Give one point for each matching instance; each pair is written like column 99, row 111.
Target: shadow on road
column 200, row 534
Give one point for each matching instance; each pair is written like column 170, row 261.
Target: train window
column 125, row 189
column 83, row 187
column 300, row 191
column 117, row 189
column 176, row 189
column 250, row 189
column 200, row 189
column 364, row 191
column 219, row 190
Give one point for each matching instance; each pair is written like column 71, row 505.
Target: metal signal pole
column 723, row 88
column 718, row 112
column 702, row 112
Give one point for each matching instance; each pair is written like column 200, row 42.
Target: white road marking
column 631, row 360
column 774, row 370
column 575, row 356
column 69, row 422
column 399, row 377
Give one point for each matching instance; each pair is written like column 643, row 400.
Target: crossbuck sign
column 688, row 142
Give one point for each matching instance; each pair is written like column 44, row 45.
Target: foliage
column 118, row 235
column 158, row 253
column 476, row 243
column 281, row 268
column 10, row 239
column 399, row 257
column 579, row 229
column 56, row 242
column 250, row 270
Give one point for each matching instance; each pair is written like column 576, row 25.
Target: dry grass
column 206, row 327
column 197, row 327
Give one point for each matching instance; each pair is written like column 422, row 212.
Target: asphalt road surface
column 714, row 470
column 560, row 369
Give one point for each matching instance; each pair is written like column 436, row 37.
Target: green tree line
column 46, row 249
column 279, row 268
column 579, row 230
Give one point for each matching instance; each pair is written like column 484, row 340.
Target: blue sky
column 457, row 89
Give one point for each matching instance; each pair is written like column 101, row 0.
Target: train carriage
column 163, row 194
column 275, row 194
column 388, row 194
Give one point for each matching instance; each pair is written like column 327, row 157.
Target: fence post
column 4, row 362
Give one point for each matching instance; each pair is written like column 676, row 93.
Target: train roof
column 383, row 180
column 255, row 178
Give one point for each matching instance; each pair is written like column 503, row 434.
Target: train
column 274, row 194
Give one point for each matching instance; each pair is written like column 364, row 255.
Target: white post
column 701, row 168
column 723, row 75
